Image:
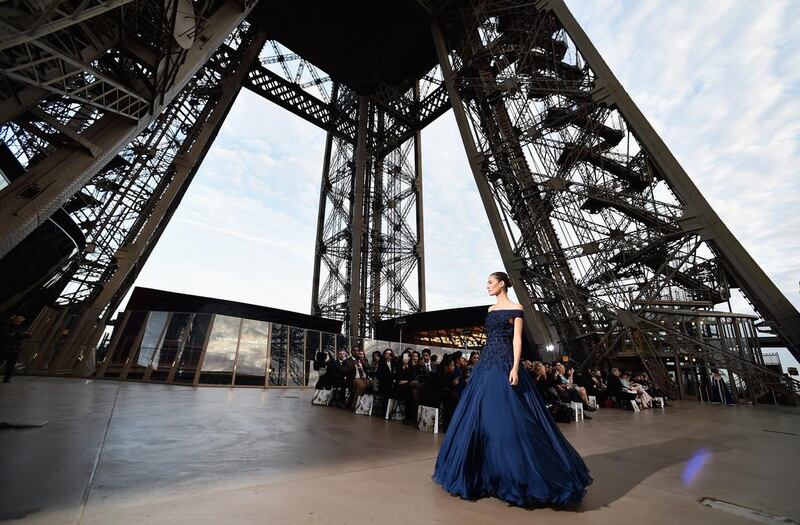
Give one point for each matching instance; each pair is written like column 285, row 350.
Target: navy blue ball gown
column 502, row 440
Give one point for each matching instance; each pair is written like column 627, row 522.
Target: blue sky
column 722, row 89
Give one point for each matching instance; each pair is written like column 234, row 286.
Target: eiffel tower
column 108, row 108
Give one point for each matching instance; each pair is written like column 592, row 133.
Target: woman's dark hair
column 419, row 356
column 376, row 353
column 441, row 368
column 503, row 276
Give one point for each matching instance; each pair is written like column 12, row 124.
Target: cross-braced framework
column 603, row 234
column 110, row 106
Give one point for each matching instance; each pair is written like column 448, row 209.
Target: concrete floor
column 115, row 452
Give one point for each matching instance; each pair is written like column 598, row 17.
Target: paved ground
column 116, row 452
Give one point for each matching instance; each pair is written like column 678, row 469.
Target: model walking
column 502, row 441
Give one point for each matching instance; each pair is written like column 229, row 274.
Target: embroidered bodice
column 499, row 338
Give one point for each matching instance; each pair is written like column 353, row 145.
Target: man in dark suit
column 428, row 367
column 616, row 389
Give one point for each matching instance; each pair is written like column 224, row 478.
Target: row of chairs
column 428, row 418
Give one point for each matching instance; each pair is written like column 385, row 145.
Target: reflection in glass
column 251, row 362
column 153, row 333
column 296, row 354
column 127, row 342
column 329, row 344
column 171, row 343
column 312, row 347
column 221, row 350
column 278, row 355
column 189, row 356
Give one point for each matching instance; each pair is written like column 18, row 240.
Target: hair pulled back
column 504, row 278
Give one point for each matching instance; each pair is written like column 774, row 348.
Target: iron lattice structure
column 110, row 106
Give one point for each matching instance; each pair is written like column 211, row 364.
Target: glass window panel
column 329, row 344
column 221, row 350
column 127, row 341
column 342, row 342
column 312, row 347
column 189, row 356
column 296, row 356
column 251, row 362
column 278, row 355
column 174, row 336
column 153, row 332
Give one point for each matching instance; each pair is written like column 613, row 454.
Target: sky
column 722, row 89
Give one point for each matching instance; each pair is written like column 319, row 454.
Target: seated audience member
column 416, row 364
column 529, row 365
column 386, row 372
column 596, row 385
column 459, row 372
column 472, row 362
column 641, row 394
column 539, row 373
column 336, row 372
column 361, row 381
column 373, row 365
column 617, row 389
column 405, row 387
column 650, row 387
column 438, row 389
column 428, row 366
column 566, row 388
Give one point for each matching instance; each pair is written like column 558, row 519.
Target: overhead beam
column 63, row 173
column 293, row 98
column 14, row 36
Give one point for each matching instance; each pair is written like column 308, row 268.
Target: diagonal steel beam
column 293, row 98
column 62, row 174
column 12, row 36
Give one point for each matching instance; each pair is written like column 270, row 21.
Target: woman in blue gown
column 502, row 441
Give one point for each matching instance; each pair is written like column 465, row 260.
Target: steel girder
column 59, row 171
column 588, row 207
column 163, row 161
column 593, row 216
column 292, row 97
column 369, row 260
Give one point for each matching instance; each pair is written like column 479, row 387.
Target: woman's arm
column 513, row 376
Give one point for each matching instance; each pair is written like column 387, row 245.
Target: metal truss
column 111, row 106
column 585, row 214
column 72, row 126
column 369, row 261
column 369, row 257
column 288, row 80
column 123, row 208
column 136, row 198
